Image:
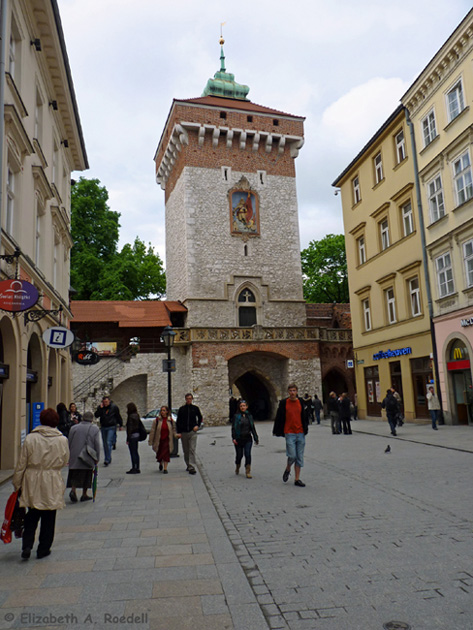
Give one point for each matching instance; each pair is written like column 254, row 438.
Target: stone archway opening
column 253, row 389
column 333, row 381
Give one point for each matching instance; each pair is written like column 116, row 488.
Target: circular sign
column 58, row 337
column 86, row 357
column 17, row 295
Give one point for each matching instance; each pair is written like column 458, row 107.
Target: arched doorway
column 460, row 380
column 254, row 390
column 33, row 377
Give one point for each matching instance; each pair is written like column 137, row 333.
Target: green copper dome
column 223, row 83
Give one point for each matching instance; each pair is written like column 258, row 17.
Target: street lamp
column 167, row 336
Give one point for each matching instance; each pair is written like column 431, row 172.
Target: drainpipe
column 424, row 258
column 3, row 34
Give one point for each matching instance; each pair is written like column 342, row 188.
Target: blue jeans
column 392, row 421
column 135, row 457
column 317, row 415
column 108, row 436
column 434, row 416
column 243, row 448
column 295, row 444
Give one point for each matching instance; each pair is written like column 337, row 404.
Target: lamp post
column 167, row 336
column 169, row 366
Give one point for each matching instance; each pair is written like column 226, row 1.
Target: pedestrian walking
column 74, row 416
column 82, row 435
column 310, row 409
column 133, row 422
column 243, row 433
column 161, row 436
column 391, row 406
column 433, row 405
column 44, row 453
column 65, row 422
column 400, row 416
column 109, row 417
column 318, row 406
column 292, row 423
column 334, row 411
column 189, row 419
column 345, row 413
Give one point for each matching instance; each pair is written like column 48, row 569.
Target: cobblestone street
column 373, row 538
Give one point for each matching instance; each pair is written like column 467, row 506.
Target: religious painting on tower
column 244, row 212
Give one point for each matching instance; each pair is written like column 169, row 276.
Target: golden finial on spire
column 221, row 41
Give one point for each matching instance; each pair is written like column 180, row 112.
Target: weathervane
column 222, row 41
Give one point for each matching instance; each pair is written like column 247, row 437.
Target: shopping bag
column 6, row 534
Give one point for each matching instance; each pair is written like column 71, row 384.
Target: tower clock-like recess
column 227, row 167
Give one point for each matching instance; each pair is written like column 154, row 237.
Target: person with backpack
column 391, row 405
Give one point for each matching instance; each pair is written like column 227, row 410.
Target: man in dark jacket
column 109, row 417
column 392, row 409
column 188, row 422
column 292, row 423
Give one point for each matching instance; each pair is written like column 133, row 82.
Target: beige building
column 439, row 104
column 391, row 327
column 42, row 145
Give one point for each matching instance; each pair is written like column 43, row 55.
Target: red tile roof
column 233, row 103
column 144, row 314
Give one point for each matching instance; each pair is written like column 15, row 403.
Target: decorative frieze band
column 215, row 134
column 261, row 333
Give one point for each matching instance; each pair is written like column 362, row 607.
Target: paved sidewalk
column 372, row 538
column 151, row 552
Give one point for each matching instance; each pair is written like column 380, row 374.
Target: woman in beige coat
column 163, row 430
column 44, row 453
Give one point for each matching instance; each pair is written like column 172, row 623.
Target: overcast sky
column 343, row 65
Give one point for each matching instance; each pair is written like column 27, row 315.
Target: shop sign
column 389, row 354
column 86, row 357
column 467, row 322
column 58, row 337
column 37, row 409
column 17, row 295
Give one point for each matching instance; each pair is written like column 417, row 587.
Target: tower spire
column 223, row 83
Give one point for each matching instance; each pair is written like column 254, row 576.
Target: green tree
column 98, row 270
column 324, row 269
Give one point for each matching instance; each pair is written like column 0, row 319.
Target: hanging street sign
column 17, row 295
column 86, row 357
column 58, row 337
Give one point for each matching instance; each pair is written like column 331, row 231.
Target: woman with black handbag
column 84, row 444
column 135, row 432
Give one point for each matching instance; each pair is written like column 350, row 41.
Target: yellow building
column 440, row 107
column 391, row 326
column 42, row 144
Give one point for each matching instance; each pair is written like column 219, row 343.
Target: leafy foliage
column 324, row 268
column 98, row 270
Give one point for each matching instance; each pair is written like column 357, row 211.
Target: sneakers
column 192, row 471
column 285, row 476
column 73, row 496
column 299, row 483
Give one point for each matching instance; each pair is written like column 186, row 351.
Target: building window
column 435, row 193
column 400, row 146
column 14, row 53
column 384, row 233
column 468, row 257
column 246, row 313
column 10, row 217
column 443, row 265
column 391, row 305
column 55, row 264
column 414, row 295
column 378, row 168
column 407, row 218
column 361, row 250
column 455, row 101
column 462, row 178
column 356, row 191
column 367, row 314
column 55, row 162
column 429, row 129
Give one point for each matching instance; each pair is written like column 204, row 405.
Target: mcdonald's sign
column 457, row 354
